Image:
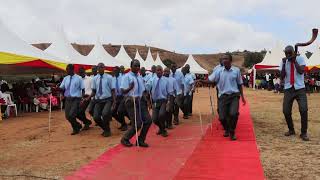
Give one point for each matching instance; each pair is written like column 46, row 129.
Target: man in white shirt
column 87, row 92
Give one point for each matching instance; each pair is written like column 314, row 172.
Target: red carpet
column 183, row 155
column 216, row 157
column 162, row 160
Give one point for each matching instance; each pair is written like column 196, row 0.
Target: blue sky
column 193, row 26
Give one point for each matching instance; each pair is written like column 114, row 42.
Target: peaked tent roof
column 138, row 57
column 123, row 58
column 273, row 59
column 314, row 60
column 62, row 48
column 149, row 62
column 194, row 66
column 99, row 54
column 159, row 62
column 15, row 51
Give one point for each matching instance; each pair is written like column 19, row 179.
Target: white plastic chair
column 10, row 104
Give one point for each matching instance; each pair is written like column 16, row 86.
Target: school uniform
column 160, row 92
column 228, row 82
column 103, row 86
column 178, row 101
column 175, row 92
column 73, row 86
column 136, row 97
column 119, row 112
column 188, row 85
column 294, row 89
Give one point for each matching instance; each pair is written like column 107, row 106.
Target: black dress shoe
column 304, row 137
column 159, row 132
column 164, row 134
column 126, row 143
column 124, row 128
column 86, row 127
column 170, row 127
column 106, row 134
column 233, row 137
column 290, row 133
column 75, row 132
column 226, row 134
column 142, row 144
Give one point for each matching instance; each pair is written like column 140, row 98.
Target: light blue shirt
column 117, row 84
column 298, row 78
column 179, row 79
column 107, row 86
column 160, row 88
column 139, row 87
column 188, row 84
column 214, row 72
column 75, row 88
column 173, row 85
column 148, row 83
column 146, row 78
column 228, row 80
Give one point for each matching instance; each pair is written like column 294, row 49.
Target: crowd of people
column 164, row 91
column 119, row 95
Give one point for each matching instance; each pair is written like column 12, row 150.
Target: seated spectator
column 44, row 94
column 3, row 106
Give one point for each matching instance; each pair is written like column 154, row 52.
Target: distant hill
column 207, row 61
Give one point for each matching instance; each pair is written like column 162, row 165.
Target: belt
column 72, row 98
column 160, row 100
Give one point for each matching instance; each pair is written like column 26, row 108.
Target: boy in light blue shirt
column 73, row 88
column 105, row 99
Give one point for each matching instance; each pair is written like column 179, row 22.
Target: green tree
column 252, row 58
column 167, row 62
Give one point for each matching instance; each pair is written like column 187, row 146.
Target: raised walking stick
column 49, row 121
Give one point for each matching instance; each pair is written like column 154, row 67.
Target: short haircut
column 229, row 55
column 70, row 66
column 135, row 60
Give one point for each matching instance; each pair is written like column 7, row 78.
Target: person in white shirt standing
column 87, row 92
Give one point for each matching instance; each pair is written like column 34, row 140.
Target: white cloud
column 185, row 26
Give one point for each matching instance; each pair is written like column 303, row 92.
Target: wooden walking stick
column 135, row 119
column 49, row 121
column 212, row 107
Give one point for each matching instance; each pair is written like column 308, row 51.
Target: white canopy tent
column 194, row 66
column 99, row 54
column 123, row 58
column 15, row 51
column 159, row 62
column 62, row 48
column 149, row 62
column 11, row 43
column 271, row 61
column 138, row 57
column 314, row 60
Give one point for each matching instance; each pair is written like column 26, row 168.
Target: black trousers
column 72, row 109
column 178, row 104
column 229, row 111
column 159, row 114
column 102, row 114
column 142, row 116
column 300, row 95
column 82, row 112
column 119, row 112
column 170, row 113
column 91, row 106
column 191, row 103
column 186, row 105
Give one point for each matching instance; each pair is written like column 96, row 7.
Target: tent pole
column 254, row 78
